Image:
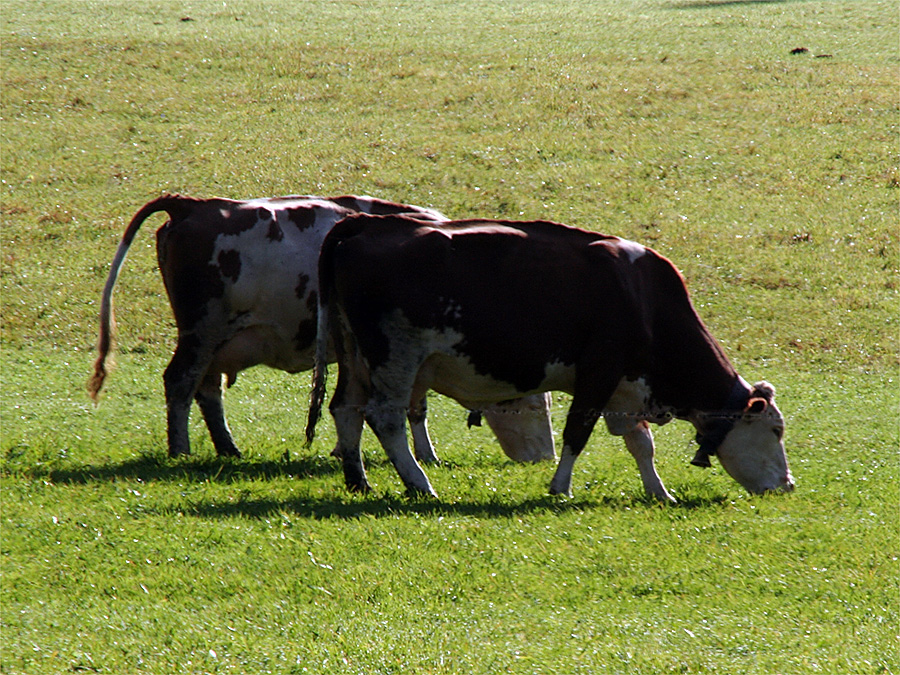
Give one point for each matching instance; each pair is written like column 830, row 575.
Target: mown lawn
column 770, row 178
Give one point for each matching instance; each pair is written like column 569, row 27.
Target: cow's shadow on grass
column 149, row 468
column 337, row 504
column 380, row 506
column 386, row 506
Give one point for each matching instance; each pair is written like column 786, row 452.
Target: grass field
column 771, row 179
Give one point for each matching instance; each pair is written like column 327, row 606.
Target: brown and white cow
column 484, row 311
column 241, row 279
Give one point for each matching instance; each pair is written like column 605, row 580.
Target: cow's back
column 493, row 282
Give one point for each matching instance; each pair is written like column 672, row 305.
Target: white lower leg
column 388, row 423
column 422, row 442
column 639, row 442
column 562, row 479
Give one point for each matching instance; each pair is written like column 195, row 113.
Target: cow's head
column 752, row 451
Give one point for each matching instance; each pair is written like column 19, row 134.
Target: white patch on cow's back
column 287, row 203
column 631, row 249
column 452, row 309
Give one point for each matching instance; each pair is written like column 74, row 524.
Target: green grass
column 771, row 181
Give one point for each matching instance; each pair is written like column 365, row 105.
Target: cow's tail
column 171, row 204
column 320, row 371
column 324, row 319
column 323, row 330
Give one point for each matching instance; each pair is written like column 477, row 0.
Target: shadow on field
column 149, row 468
column 339, row 508
column 341, row 504
column 346, row 507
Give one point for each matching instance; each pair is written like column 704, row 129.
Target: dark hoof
column 430, row 461
column 362, row 488
column 355, row 477
column 701, row 459
column 420, row 495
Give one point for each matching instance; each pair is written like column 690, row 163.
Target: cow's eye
column 779, row 432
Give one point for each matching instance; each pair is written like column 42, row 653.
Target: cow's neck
column 692, row 374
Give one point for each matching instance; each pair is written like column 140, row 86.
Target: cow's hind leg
column 347, row 410
column 181, row 379
column 422, row 445
column 639, row 442
column 209, row 398
column 348, row 421
column 388, row 421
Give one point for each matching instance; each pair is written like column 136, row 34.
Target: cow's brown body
column 484, row 311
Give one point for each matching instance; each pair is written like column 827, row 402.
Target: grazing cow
column 484, row 311
column 241, row 278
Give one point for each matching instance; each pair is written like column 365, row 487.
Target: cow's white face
column 753, row 451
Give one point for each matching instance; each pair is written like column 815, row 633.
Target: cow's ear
column 755, row 406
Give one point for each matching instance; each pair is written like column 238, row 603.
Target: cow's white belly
column 628, row 403
column 434, row 356
column 630, row 396
column 259, row 345
column 455, row 376
column 558, row 377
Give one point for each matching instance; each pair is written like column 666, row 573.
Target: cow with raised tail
column 242, row 282
column 485, row 311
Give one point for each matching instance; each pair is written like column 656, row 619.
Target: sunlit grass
column 770, row 179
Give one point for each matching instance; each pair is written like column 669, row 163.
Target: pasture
column 770, row 178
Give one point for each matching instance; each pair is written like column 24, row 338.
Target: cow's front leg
column 209, row 398
column 418, row 425
column 388, row 422
column 579, row 424
column 639, row 442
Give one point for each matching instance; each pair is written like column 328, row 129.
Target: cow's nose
column 787, row 483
